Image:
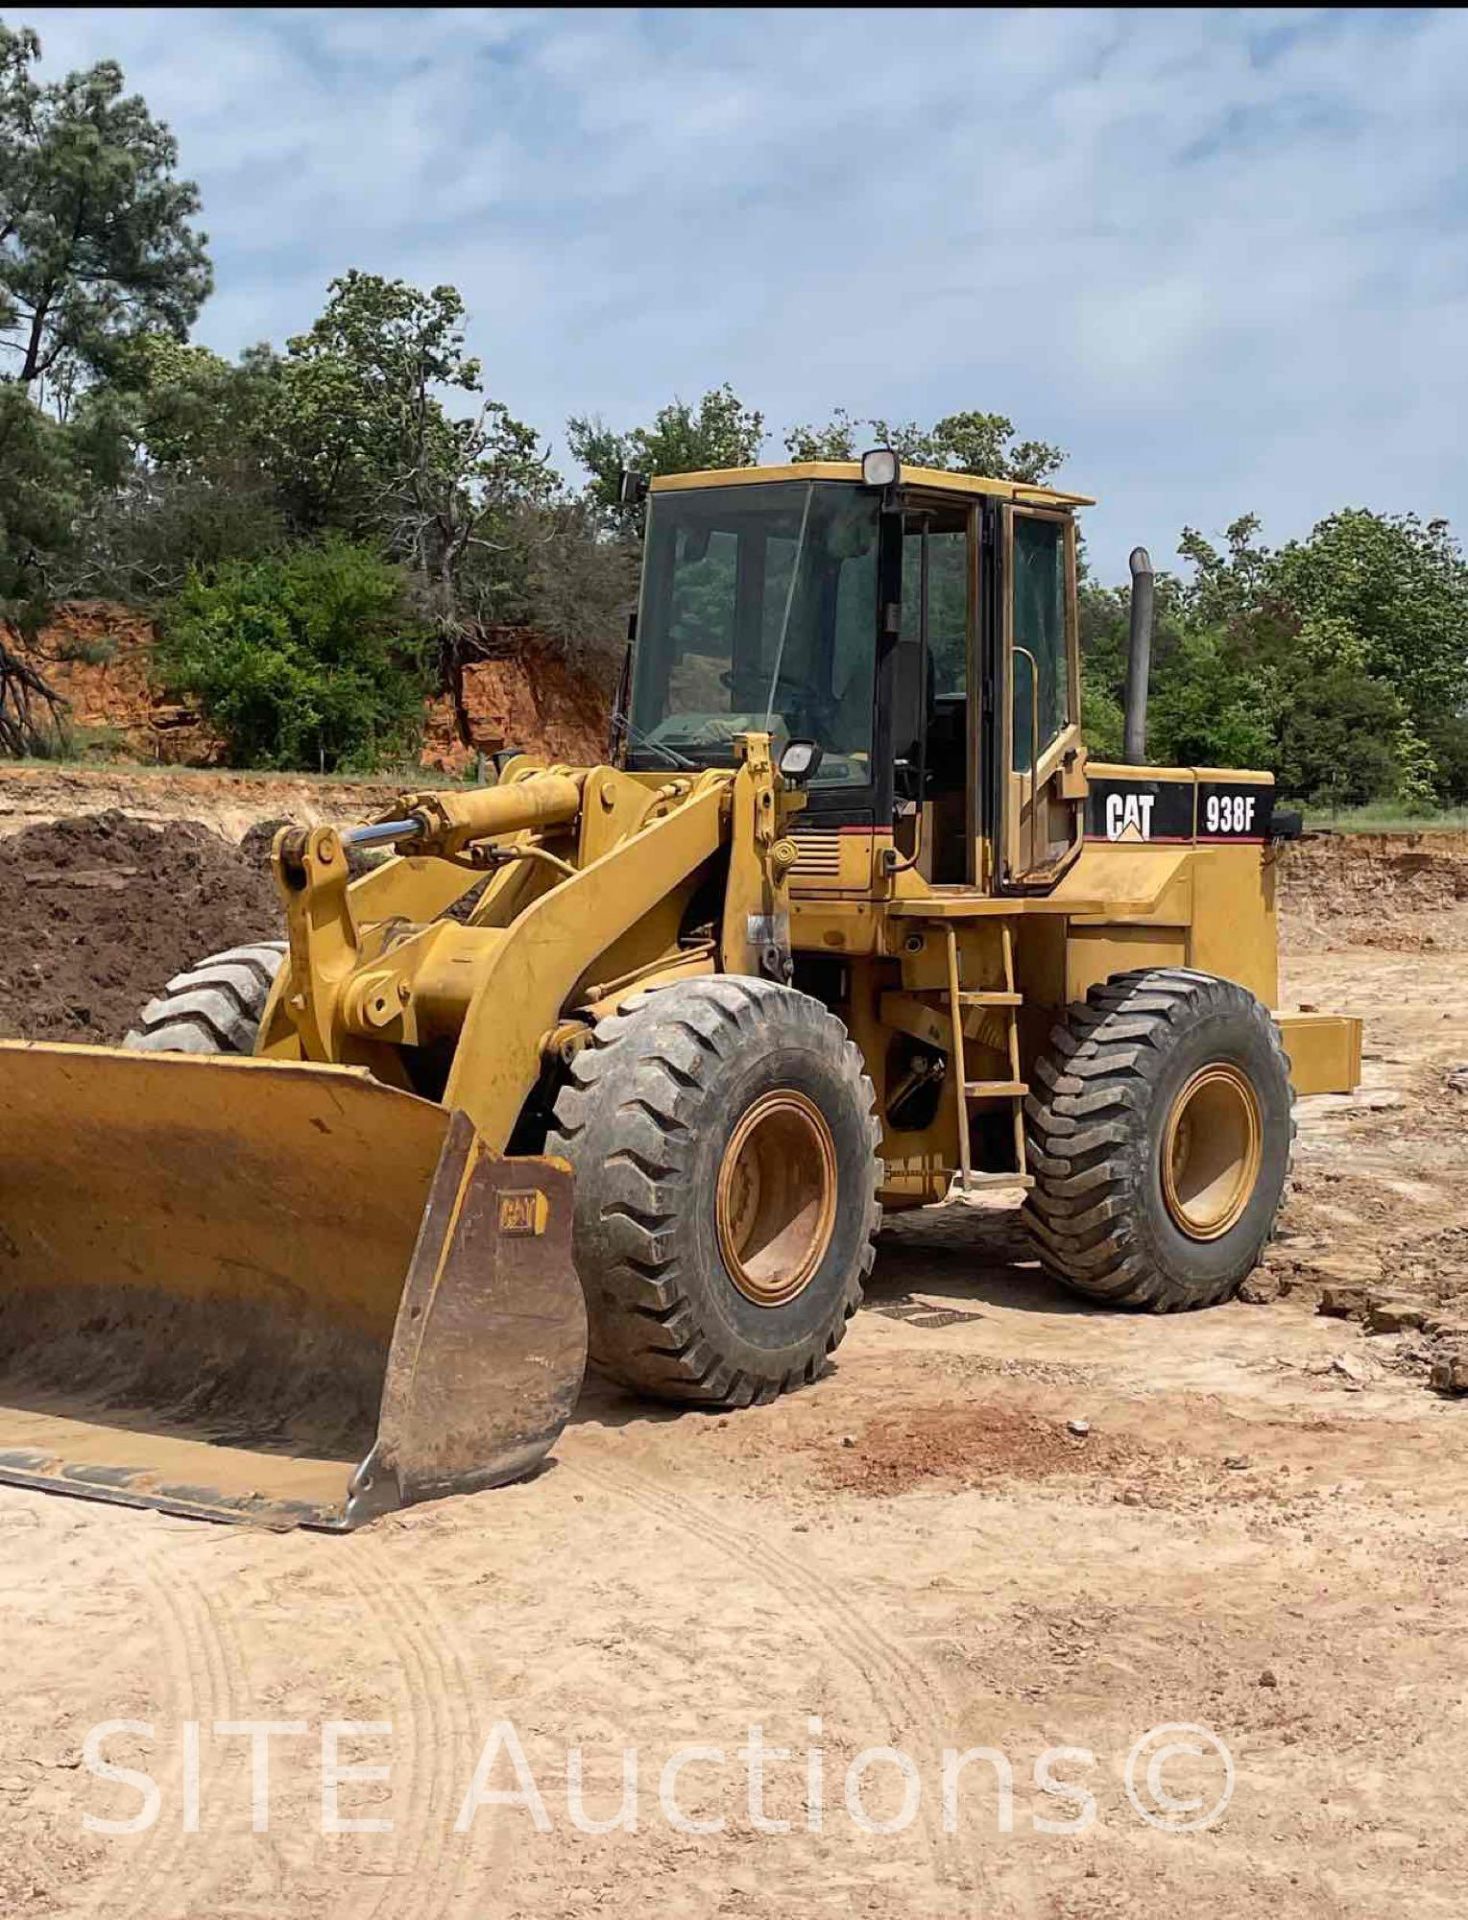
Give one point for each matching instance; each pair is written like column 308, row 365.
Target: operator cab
column 919, row 626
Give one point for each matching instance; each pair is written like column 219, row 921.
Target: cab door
column 1041, row 772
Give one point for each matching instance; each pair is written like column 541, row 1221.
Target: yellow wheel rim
column 1211, row 1151
column 776, row 1198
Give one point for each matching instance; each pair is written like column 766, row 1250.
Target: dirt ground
column 1003, row 1520
column 100, row 910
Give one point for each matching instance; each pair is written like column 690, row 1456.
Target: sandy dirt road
column 917, row 1553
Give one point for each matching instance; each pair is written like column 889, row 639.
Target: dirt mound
column 968, row 1445
column 228, row 803
column 99, row 911
column 527, row 699
column 1397, row 892
column 98, row 658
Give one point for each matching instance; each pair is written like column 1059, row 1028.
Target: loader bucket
column 258, row 1290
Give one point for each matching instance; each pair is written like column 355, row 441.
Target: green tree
column 1105, row 636
column 1340, row 743
column 305, row 659
column 681, row 438
column 96, row 241
column 1380, row 600
column 1208, row 710
column 1102, row 716
column 177, row 457
column 1384, row 590
column 38, row 495
column 1446, row 739
column 1230, row 588
column 579, row 585
column 358, row 402
column 363, row 442
column 189, row 410
column 1401, row 586
column 981, row 443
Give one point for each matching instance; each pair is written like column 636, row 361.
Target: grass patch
column 1388, row 816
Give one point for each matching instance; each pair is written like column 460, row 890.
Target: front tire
column 1160, row 1134
column 724, row 1141
column 215, row 1006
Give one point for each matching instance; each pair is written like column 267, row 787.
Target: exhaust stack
column 1139, row 659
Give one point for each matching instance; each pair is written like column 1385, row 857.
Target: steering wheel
column 820, row 708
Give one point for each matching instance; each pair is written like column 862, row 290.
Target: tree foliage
column 681, row 438
column 1339, row 661
column 306, row 659
column 1401, row 590
column 96, row 241
column 365, row 442
column 981, row 443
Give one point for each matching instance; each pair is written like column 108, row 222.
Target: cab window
column 947, row 596
column 1041, row 680
column 759, row 614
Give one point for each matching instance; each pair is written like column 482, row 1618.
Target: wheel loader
column 630, row 1059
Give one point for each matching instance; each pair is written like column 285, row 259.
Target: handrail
column 1034, row 741
column 896, row 865
column 957, row 1064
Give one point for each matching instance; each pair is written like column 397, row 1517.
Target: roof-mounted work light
column 880, row 468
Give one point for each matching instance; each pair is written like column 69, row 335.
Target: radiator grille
column 820, row 853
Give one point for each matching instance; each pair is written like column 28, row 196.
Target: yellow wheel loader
column 636, row 1054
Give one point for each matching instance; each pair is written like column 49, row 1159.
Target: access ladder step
column 996, row 1089
column 990, row 998
column 985, row 1182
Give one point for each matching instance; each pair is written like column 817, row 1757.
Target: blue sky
column 1220, row 257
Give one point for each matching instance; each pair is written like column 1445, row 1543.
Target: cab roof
column 929, row 478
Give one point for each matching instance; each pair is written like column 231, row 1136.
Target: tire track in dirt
column 431, row 1864
column 207, row 1677
column 899, row 1686
column 374, row 1593
column 197, row 1670
column 236, row 1701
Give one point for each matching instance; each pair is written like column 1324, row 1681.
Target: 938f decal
column 1229, row 813
column 1234, row 812
column 1173, row 811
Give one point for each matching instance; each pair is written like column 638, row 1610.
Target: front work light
column 880, row 468
column 800, row 761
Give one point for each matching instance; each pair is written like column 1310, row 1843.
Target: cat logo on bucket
column 523, row 1210
column 1129, row 816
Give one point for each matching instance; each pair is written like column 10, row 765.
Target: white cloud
column 1217, row 255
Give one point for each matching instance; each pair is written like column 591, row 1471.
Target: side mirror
column 800, row 762
column 632, row 487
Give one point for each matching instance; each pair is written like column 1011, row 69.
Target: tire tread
column 1090, row 1097
column 641, row 1065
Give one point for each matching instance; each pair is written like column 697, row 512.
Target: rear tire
column 214, row 1007
column 724, row 1140
column 1160, row 1135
